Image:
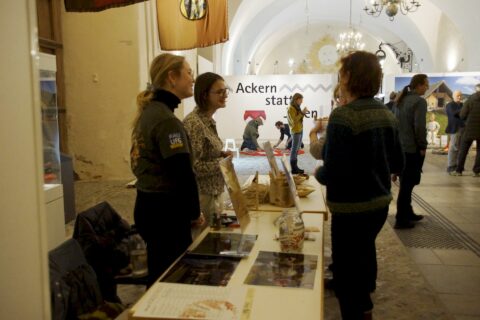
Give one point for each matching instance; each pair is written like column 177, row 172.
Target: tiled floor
column 454, row 274
column 414, row 282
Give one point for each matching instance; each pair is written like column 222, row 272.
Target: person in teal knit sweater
column 362, row 150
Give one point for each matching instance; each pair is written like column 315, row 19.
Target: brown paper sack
column 279, row 192
column 255, row 193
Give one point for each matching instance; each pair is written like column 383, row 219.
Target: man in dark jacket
column 284, row 131
column 390, row 103
column 471, row 114
column 454, row 129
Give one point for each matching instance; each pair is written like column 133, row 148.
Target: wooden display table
column 264, row 302
column 313, row 203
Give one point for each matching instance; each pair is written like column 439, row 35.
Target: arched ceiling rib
column 257, row 23
column 266, row 43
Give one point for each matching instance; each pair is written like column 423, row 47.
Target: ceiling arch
column 257, row 23
column 270, row 45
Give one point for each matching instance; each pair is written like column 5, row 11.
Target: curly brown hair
column 364, row 73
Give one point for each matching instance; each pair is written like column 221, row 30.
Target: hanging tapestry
column 188, row 24
column 96, row 5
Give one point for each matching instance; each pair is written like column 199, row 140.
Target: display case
column 51, row 139
column 52, row 187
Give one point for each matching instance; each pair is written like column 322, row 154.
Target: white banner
column 268, row 97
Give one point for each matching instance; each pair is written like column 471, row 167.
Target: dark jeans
column 355, row 260
column 409, row 178
column 247, row 143
column 289, row 144
column 465, row 145
column 164, row 226
column 296, row 142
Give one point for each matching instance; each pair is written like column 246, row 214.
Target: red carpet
column 276, row 152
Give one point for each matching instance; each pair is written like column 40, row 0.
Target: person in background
column 295, row 121
column 250, row 135
column 316, row 135
column 454, row 129
column 432, row 129
column 411, row 112
column 362, row 150
column 210, row 95
column 470, row 113
column 167, row 202
column 391, row 102
column 284, row 131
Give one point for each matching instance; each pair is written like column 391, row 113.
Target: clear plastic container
column 216, row 216
column 138, row 256
column 291, row 231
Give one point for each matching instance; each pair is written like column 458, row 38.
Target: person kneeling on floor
column 250, row 135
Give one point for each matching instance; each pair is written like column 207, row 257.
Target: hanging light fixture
column 351, row 40
column 392, row 7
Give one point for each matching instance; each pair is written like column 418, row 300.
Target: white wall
column 317, row 90
column 105, row 63
column 24, row 290
column 464, row 15
column 450, row 47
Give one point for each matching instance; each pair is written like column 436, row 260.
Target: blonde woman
column 167, row 196
column 295, row 121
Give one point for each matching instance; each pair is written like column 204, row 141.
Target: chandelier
column 391, row 7
column 350, row 40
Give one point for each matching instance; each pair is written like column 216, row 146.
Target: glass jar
column 138, row 256
column 216, row 215
column 291, row 231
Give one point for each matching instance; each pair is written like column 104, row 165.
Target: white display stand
column 55, row 215
column 53, row 189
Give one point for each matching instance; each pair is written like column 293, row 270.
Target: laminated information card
column 180, row 301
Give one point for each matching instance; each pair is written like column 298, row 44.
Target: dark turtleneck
column 180, row 173
column 166, row 97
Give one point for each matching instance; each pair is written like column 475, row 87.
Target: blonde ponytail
column 159, row 69
column 143, row 99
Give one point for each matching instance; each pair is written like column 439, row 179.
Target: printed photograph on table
column 202, row 270
column 226, row 244
column 283, row 270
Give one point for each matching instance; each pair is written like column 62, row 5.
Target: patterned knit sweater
column 362, row 149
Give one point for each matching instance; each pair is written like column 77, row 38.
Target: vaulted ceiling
column 442, row 33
